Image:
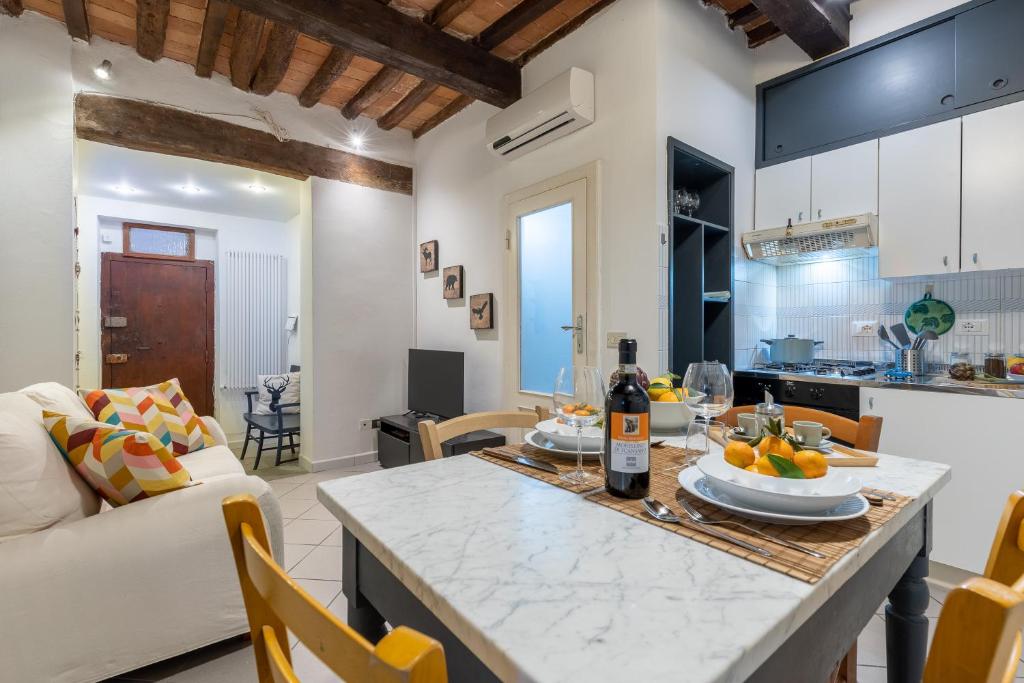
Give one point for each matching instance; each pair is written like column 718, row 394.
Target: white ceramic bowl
column 775, row 494
column 672, row 416
column 564, row 436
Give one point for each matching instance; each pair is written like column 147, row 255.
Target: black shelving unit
column 701, row 260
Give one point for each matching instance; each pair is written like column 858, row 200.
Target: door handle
column 974, row 258
column 945, row 260
column 819, row 213
column 577, row 332
column 800, row 216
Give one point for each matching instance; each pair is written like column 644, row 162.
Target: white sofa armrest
column 216, row 431
column 127, row 587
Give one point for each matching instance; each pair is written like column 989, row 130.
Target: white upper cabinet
column 993, row 177
column 783, row 194
column 844, row 182
column 919, row 201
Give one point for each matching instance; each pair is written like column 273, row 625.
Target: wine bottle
column 627, row 434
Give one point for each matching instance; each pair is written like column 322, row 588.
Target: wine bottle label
column 630, row 442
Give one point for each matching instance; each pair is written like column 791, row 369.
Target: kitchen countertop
column 929, row 383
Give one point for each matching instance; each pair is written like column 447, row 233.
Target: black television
column 436, row 382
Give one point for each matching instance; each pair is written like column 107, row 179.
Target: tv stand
column 398, row 440
column 417, row 415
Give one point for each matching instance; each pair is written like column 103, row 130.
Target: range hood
column 831, row 240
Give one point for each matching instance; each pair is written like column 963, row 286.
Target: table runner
column 833, row 539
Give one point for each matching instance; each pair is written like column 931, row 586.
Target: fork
column 699, row 518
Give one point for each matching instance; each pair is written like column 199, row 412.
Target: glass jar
column 995, row 364
column 959, row 357
column 763, row 412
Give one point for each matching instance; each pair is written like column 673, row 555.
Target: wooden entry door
column 157, row 321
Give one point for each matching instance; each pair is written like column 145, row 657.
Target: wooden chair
column 279, row 424
column 432, row 434
column 273, row 602
column 977, row 639
column 863, row 435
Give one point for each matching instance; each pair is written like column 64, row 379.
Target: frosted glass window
column 545, row 296
column 154, row 241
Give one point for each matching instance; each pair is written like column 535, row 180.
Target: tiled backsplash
column 823, row 300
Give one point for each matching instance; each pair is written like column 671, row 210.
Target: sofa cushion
column 37, row 487
column 211, row 462
column 57, row 398
column 121, row 465
column 161, row 409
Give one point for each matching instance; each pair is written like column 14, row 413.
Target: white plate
column 777, row 494
column 824, row 447
column 564, row 436
column 536, row 438
column 696, row 483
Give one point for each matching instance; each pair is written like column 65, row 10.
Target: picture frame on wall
column 428, row 257
column 481, row 311
column 453, row 276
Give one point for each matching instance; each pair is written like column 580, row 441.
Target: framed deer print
column 428, row 257
column 481, row 311
column 453, row 282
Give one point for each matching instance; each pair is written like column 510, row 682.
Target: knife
column 522, row 460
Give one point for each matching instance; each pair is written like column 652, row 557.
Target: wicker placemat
column 832, row 539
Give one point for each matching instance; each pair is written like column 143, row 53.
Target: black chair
column 278, row 424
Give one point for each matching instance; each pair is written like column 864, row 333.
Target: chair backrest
column 864, row 434
column 273, row 602
column 432, row 434
column 977, row 639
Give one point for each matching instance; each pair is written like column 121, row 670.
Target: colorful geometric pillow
column 161, row 409
column 121, row 465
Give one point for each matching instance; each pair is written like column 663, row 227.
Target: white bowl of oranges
column 772, row 474
column 670, row 410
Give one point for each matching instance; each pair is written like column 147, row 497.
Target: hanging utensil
column 883, row 334
column 924, row 338
column 899, row 330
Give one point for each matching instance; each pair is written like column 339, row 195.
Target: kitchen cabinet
column 969, row 433
column 844, row 182
column 989, row 52
column 783, row 194
column 993, row 174
column 919, row 201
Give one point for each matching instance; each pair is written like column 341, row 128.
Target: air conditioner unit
column 562, row 105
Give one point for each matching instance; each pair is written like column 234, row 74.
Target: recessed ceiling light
column 191, row 189
column 257, row 188
column 103, row 70
column 124, row 189
column 357, row 141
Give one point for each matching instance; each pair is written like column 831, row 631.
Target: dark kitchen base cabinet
column 398, row 441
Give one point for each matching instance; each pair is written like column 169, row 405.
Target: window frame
column 126, row 249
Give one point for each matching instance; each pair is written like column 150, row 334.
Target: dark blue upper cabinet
column 989, row 51
column 887, row 86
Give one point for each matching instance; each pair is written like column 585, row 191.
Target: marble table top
column 543, row 585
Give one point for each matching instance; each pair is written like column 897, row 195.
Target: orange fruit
column 811, row 463
column 740, row 454
column 765, row 466
column 668, row 397
column 752, row 468
column 773, row 444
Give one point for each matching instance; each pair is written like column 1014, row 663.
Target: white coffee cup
column 810, row 433
column 747, row 423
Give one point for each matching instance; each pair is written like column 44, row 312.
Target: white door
column 551, row 281
column 993, row 175
column 844, row 182
column 919, row 201
column 783, row 194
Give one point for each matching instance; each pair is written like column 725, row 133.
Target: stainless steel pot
column 791, row 350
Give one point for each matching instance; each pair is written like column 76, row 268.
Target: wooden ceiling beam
column 447, row 11
column 12, row 7
column 513, row 21
column 406, row 105
column 276, row 57
column 245, row 49
column 762, row 34
column 562, row 31
column 453, row 108
column 818, row 30
column 332, row 67
column 213, row 29
column 151, row 27
column 167, row 130
column 743, row 16
column 77, row 19
column 382, row 82
column 394, row 39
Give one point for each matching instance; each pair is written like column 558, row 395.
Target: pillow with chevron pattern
column 121, row 465
column 160, row 409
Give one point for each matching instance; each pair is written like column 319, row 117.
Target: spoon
column 662, row 513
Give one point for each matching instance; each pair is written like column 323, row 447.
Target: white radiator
column 254, row 289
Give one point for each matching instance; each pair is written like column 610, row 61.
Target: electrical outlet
column 972, row 327
column 614, row 338
column 864, row 328
column 366, row 425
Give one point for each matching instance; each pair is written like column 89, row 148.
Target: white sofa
column 88, row 593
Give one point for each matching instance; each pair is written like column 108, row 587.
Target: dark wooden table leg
column 906, row 627
column 362, row 616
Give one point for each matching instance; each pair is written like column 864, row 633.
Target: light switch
column 864, row 328
column 614, row 337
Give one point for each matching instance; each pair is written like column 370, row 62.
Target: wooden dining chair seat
column 863, row 434
column 274, row 603
column 433, row 434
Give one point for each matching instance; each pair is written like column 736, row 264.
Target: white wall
column 36, row 222
column 364, row 322
column 216, row 234
column 460, row 189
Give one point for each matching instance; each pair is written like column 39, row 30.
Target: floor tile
column 308, row 668
column 323, row 562
column 230, row 662
column 318, row 511
column 292, row 508
column 323, row 591
column 309, row 531
column 339, row 606
column 334, row 538
column 293, row 552
column 283, row 486
column 871, row 643
column 938, row 592
column 304, row 491
column 871, row 674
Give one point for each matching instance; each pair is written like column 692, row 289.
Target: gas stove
column 824, row 384
column 821, row 368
